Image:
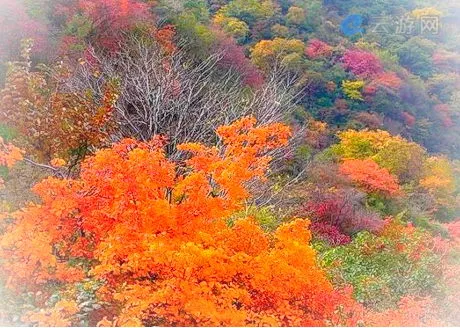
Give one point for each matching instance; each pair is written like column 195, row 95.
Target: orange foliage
column 156, row 232
column 58, row 162
column 9, row 155
column 389, row 80
column 165, row 37
column 57, row 316
column 368, row 174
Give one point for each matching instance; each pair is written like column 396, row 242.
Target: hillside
column 229, row 162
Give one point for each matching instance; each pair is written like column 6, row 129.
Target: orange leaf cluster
column 9, row 154
column 388, row 80
column 368, row 174
column 156, row 232
column 165, row 36
column 58, row 162
column 57, row 316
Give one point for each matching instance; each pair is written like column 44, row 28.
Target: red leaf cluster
column 318, row 49
column 362, row 63
column 341, row 209
column 408, row 118
column 329, row 234
column 233, row 57
column 443, row 111
column 109, row 19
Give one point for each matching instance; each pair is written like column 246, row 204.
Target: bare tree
column 172, row 96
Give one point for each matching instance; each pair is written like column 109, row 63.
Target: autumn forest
column 229, row 163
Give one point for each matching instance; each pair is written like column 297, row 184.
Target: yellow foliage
column 57, row 162
column 438, row 178
column 361, row 144
column 248, row 9
column 401, row 157
column 426, row 12
column 270, row 52
column 352, row 89
column 233, row 26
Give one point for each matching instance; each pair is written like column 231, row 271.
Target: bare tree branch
column 172, row 96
